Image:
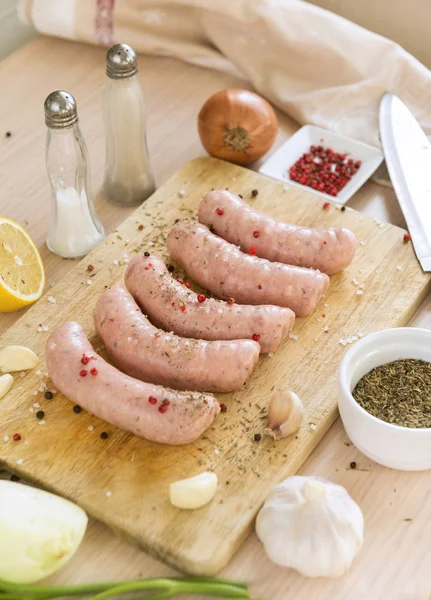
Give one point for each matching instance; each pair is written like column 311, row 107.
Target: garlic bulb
column 285, row 414
column 39, row 532
column 311, row 525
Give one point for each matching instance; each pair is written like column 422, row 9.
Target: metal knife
column 407, row 153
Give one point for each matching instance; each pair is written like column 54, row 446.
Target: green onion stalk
column 144, row 589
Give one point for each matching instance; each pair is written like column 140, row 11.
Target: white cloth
column 314, row 65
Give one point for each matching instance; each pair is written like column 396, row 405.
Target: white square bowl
column 278, row 165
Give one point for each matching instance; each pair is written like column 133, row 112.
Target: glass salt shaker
column 129, row 178
column 75, row 228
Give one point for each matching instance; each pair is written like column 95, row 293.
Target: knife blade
column 407, row 153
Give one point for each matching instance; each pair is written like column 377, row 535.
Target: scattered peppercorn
column 257, row 437
column 149, row 266
column 187, row 285
column 240, row 195
column 230, row 301
column 8, row 134
column 256, row 234
column 182, row 308
column 252, row 251
column 77, row 409
column 171, row 268
column 324, row 170
column 141, row 227
column 220, row 211
column 83, row 373
column 16, row 437
column 166, row 401
column 85, row 359
column 326, row 206
column 40, row 414
column 48, row 395
column 407, row 237
column 152, row 400
column 223, row 407
column 259, row 287
column 343, row 208
column 94, row 371
column 353, row 465
column 104, row 435
column 14, row 478
column 256, row 337
column 201, row 298
column 90, row 268
column 163, row 408
column 254, row 193
column 146, row 254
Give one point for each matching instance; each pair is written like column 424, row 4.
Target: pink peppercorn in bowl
column 339, row 165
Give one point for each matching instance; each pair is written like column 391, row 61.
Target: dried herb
column 398, row 393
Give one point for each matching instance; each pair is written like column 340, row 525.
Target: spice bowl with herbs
column 385, row 397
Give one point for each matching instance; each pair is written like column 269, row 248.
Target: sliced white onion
column 39, row 532
column 17, row 358
column 193, row 492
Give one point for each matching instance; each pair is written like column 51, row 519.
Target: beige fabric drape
column 314, row 65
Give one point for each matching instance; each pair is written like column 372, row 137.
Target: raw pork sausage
column 150, row 411
column 328, row 250
column 145, row 352
column 227, row 272
column 161, row 297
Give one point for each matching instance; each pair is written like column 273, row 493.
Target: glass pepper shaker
column 128, row 178
column 75, row 228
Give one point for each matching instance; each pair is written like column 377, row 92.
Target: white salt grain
column 38, row 372
column 6, row 438
column 90, row 428
column 36, row 405
column 399, row 268
column 51, row 299
column 271, row 354
column 42, row 422
column 89, row 282
column 115, row 262
column 326, row 328
column 108, row 494
column 312, row 426
column 362, row 243
column 22, row 374
column 35, row 393
column 292, row 336
column 216, row 451
column 40, row 328
column 45, row 328
column 359, row 292
column 20, row 461
column 182, row 193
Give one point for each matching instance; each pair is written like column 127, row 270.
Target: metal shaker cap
column 121, row 62
column 60, row 110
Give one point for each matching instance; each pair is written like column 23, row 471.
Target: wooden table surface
column 395, row 562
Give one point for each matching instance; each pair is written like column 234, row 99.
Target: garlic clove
column 194, row 492
column 285, row 414
column 17, row 358
column 6, row 382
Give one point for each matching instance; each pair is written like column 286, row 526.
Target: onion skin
column 237, row 125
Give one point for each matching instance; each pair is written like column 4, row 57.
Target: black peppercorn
column 14, row 478
column 77, row 409
column 171, row 268
column 146, row 254
column 254, row 193
column 240, row 195
column 343, row 208
column 40, row 414
column 48, row 395
column 257, row 437
column 8, row 134
column 104, row 435
column 353, row 465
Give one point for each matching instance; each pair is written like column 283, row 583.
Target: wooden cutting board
column 123, row 480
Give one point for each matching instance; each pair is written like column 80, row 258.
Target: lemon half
column 22, row 276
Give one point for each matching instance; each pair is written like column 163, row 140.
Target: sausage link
column 227, row 272
column 122, row 401
column 162, row 297
column 145, row 352
column 328, row 250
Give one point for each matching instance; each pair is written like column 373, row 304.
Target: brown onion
column 237, row 125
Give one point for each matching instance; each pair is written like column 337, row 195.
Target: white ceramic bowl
column 277, row 166
column 390, row 445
